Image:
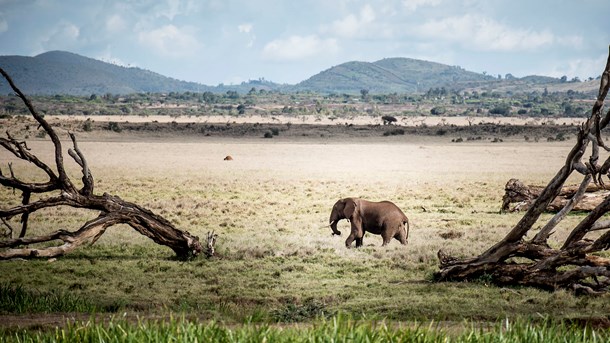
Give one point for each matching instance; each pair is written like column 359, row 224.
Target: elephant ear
column 349, row 209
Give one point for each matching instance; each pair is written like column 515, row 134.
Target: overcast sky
column 230, row 41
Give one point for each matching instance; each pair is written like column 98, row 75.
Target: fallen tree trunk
column 579, row 264
column 519, row 197
column 59, row 190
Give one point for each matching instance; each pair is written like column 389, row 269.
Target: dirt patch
column 92, row 129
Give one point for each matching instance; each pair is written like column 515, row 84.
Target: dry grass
column 269, row 206
column 312, row 119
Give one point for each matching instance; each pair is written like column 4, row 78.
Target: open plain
column 276, row 259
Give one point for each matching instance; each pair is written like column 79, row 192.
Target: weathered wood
column 519, row 197
column 575, row 265
column 61, row 191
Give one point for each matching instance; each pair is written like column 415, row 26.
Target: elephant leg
column 356, row 234
column 387, row 237
column 401, row 235
column 350, row 239
column 359, row 241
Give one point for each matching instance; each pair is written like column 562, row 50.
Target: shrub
column 114, row 126
column 268, row 134
column 502, row 110
column 87, row 127
column 394, row 132
column 438, row 110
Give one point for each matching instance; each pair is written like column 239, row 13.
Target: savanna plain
column 276, row 261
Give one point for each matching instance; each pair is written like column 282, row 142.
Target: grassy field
column 276, row 261
column 336, row 329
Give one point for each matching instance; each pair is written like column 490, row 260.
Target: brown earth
column 96, row 129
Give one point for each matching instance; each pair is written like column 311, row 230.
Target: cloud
column 573, row 41
column 581, row 67
column 412, row 5
column 63, row 36
column 172, row 8
column 3, row 23
column 244, row 28
column 352, row 25
column 247, row 30
column 481, row 33
column 115, row 23
column 296, row 48
column 170, row 41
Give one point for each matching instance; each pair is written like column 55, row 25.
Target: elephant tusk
column 325, row 226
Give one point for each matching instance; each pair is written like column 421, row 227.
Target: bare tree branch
column 574, row 264
column 113, row 210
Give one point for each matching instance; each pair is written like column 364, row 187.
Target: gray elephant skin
column 379, row 218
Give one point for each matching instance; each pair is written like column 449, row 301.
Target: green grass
column 269, row 288
column 276, row 262
column 335, row 329
column 15, row 299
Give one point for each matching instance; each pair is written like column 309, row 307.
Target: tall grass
column 336, row 329
column 16, row 299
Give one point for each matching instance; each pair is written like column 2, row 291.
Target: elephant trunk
column 333, row 226
column 335, row 215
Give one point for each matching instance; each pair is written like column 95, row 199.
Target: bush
column 87, row 127
column 394, row 132
column 268, row 134
column 502, row 110
column 114, row 126
column 437, row 111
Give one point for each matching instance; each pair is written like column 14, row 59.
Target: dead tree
column 59, row 190
column 521, row 197
column 577, row 263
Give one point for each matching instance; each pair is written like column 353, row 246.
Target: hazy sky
column 230, row 41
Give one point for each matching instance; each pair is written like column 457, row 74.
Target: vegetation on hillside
column 59, row 72
column 390, row 75
column 438, row 101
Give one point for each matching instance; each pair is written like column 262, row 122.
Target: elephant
column 379, row 218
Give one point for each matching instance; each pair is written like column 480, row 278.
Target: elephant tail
column 406, row 222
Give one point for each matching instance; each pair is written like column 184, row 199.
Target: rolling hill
column 60, row 72
column 401, row 75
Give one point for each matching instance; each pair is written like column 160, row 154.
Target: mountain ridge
column 62, row 72
column 389, row 75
